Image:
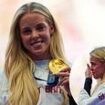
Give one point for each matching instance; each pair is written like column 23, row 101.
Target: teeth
column 36, row 42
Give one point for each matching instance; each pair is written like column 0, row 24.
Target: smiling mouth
column 36, row 42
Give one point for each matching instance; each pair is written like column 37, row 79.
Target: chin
column 37, row 52
column 95, row 77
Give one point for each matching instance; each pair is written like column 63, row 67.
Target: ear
column 51, row 28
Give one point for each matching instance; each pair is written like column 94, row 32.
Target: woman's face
column 97, row 67
column 35, row 33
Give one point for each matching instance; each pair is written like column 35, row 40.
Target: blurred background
column 81, row 23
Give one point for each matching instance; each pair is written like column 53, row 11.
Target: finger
column 66, row 70
column 63, row 81
column 88, row 66
column 63, row 74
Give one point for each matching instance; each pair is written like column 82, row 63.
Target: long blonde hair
column 99, row 53
column 18, row 65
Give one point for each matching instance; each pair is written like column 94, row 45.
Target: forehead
column 94, row 59
column 31, row 18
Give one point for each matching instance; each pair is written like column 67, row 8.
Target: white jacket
column 97, row 98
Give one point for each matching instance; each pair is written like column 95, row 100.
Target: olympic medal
column 57, row 65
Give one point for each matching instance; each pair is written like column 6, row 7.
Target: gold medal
column 57, row 65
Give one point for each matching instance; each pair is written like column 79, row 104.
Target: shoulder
column 3, row 79
column 2, row 75
column 101, row 88
column 99, row 100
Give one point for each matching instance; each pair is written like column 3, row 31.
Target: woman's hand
column 88, row 72
column 64, row 79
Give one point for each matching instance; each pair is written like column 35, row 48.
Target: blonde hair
column 100, row 54
column 18, row 65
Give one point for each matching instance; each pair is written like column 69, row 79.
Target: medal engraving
column 57, row 65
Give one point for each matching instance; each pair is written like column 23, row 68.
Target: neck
column 41, row 57
column 44, row 56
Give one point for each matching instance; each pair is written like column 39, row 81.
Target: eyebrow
column 41, row 24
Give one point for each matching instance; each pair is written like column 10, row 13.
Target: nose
column 35, row 33
column 91, row 68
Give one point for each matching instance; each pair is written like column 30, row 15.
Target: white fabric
column 85, row 99
column 41, row 71
column 100, row 100
column 49, row 98
column 3, row 89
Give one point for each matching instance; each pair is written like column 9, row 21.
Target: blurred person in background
column 96, row 69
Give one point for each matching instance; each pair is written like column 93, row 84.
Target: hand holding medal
column 61, row 70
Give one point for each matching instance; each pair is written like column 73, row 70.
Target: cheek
column 103, row 70
column 24, row 39
column 46, row 38
column 100, row 70
column 96, row 69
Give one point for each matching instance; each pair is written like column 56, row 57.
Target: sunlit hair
column 19, row 66
column 99, row 53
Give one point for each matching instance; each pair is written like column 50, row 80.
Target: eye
column 93, row 64
column 40, row 27
column 26, row 31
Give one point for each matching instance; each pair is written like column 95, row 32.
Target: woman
column 97, row 70
column 34, row 41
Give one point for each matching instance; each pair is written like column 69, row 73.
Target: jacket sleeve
column 84, row 96
column 87, row 85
